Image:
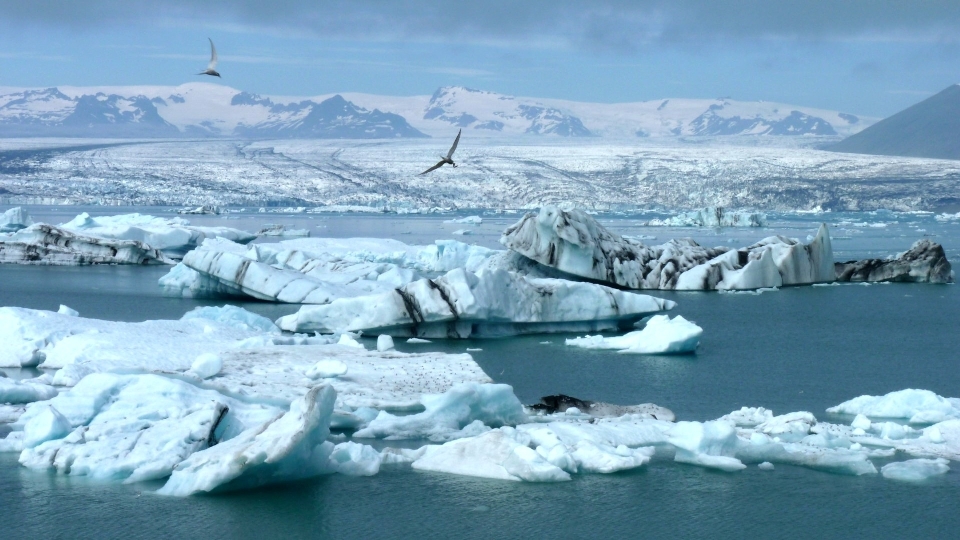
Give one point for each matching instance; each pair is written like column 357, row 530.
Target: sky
column 867, row 57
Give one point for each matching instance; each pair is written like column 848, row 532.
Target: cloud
column 621, row 25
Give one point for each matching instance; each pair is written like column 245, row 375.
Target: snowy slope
column 207, row 109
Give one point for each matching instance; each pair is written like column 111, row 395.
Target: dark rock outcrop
column 924, row 262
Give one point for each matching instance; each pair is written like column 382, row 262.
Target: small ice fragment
column 64, row 310
column 861, row 422
column 70, row 374
column 349, row 342
column 417, row 340
column 572, row 411
column 46, row 426
column 326, row 369
column 765, row 466
column 473, row 350
column 384, row 342
column 206, row 365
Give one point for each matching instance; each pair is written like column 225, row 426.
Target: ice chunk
column 748, row 416
column 384, row 342
column 354, row 459
column 502, row 454
column 327, row 369
column 470, row 220
column 64, row 310
column 561, row 403
column 709, row 444
column 17, row 392
column 14, row 219
column 287, row 448
column 45, row 244
column 765, row 466
column 861, row 422
column 925, row 261
column 233, row 316
column 172, row 236
column 661, row 335
column 13, row 442
column 920, row 406
column 493, row 303
column 206, row 365
column 915, row 470
column 416, row 341
column 573, row 242
column 348, row 341
column 446, row 414
column 71, row 374
column 46, row 424
column 713, row 216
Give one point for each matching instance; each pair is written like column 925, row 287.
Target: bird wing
column 454, row 147
column 213, row 56
column 435, row 167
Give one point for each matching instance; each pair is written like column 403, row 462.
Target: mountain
column 213, row 110
column 332, row 118
column 50, row 112
column 930, row 129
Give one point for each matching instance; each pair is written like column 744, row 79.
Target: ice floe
column 713, row 216
column 462, row 304
column 46, row 244
column 573, row 242
column 469, row 220
column 915, row 470
column 661, row 335
column 18, row 392
column 916, row 406
column 14, row 219
column 925, row 261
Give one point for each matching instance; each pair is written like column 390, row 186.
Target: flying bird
column 448, row 159
column 212, row 66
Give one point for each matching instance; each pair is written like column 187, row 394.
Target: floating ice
column 233, row 316
column 713, row 216
column 461, row 232
column 915, row 470
column 327, row 369
column 48, row 245
column 290, row 447
column 445, row 415
column 280, row 230
column 765, row 466
column 384, row 342
column 47, row 423
column 708, row 444
column 918, row 406
column 64, row 310
column 573, row 242
column 493, row 303
column 14, row 219
column 172, row 236
column 925, row 261
column 661, row 335
column 470, row 220
column 560, row 403
column 354, row 459
column 416, row 341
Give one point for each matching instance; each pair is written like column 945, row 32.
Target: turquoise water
column 804, row 348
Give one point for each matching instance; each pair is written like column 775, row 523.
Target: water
column 804, row 348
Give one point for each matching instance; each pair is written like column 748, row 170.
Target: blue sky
column 865, row 57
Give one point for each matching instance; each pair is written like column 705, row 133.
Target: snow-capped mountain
column 205, row 109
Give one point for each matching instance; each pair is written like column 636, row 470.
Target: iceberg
column 171, row 236
column 14, row 219
column 280, row 230
column 469, row 220
column 574, row 243
column 46, row 244
column 446, row 415
column 492, row 303
column 560, row 403
column 713, row 216
column 290, row 447
column 917, row 406
column 661, row 335
column 915, row 470
column 925, row 261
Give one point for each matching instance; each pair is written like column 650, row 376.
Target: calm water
column 803, row 348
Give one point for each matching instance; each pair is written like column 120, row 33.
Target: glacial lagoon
column 795, row 349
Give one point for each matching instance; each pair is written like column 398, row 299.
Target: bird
column 212, row 66
column 448, row 159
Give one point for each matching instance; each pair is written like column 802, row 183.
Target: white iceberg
column 174, row 237
column 280, row 230
column 713, row 216
column 14, row 219
column 661, row 335
column 915, row 470
column 917, row 406
column 573, row 242
column 49, row 245
column 18, row 392
column 462, row 304
column 469, row 220
column 289, row 447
